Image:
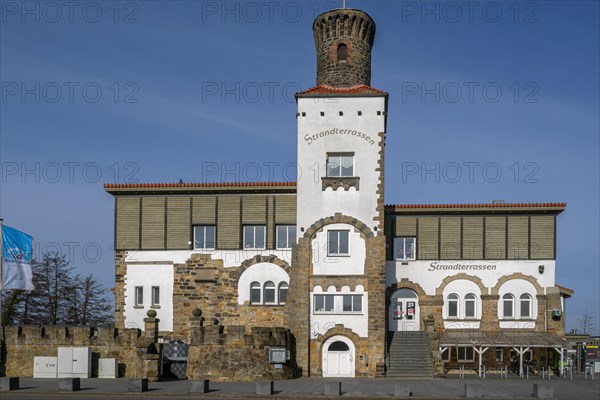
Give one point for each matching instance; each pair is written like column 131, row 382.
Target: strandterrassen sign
column 336, row 131
column 437, row 266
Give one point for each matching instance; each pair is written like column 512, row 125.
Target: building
column 365, row 289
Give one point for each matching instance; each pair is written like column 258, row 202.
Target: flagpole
column 1, row 268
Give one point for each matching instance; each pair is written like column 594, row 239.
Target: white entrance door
column 404, row 311
column 338, row 360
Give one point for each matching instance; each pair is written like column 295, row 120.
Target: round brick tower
column 344, row 38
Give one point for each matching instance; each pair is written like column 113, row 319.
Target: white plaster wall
column 261, row 273
column 420, row 272
column 148, row 276
column 517, row 287
column 462, row 287
column 352, row 264
column 231, row 258
column 313, row 202
column 358, row 323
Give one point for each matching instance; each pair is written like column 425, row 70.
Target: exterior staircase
column 409, row 355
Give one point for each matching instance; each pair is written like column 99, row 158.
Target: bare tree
column 89, row 304
column 59, row 298
column 586, row 322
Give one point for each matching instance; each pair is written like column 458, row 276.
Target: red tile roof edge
column 195, row 185
column 356, row 89
column 565, row 289
column 477, row 205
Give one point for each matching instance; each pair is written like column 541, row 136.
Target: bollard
column 333, row 388
column 472, row 390
column 69, row 384
column 265, row 388
column 201, row 386
column 401, row 390
column 7, row 383
column 543, row 391
column 137, row 385
column 484, row 372
column 527, row 373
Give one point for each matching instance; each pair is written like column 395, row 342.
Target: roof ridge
column 478, row 205
column 196, row 184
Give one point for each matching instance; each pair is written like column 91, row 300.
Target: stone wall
column 356, row 30
column 134, row 350
column 230, row 354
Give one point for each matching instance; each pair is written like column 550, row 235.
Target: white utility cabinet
column 74, row 362
column 108, row 368
column 44, row 367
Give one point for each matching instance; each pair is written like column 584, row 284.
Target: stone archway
column 338, row 218
column 517, row 275
column 475, row 279
column 341, row 333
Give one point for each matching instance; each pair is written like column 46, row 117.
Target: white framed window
column 465, row 354
column 470, row 305
column 525, row 305
column 340, row 164
column 269, row 292
column 254, row 236
column 404, row 248
column 338, row 243
column 139, row 296
column 445, row 354
column 283, row 290
column 452, row 300
column 351, row 303
column 324, row 303
column 508, row 306
column 286, row 236
column 204, row 237
column 155, row 295
column 255, row 295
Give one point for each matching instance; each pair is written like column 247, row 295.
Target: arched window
column 525, row 300
column 452, row 305
column 508, row 304
column 269, row 292
column 338, row 346
column 470, row 305
column 283, row 289
column 342, row 53
column 255, row 293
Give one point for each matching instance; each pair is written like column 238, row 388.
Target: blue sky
column 157, row 91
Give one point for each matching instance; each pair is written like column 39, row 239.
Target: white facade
column 148, row 276
column 349, row 132
column 430, row 274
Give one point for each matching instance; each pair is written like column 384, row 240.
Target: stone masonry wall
column 231, row 354
column 133, row 349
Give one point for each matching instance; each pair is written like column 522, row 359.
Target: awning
column 504, row 338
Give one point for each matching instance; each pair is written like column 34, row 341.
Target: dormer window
column 342, row 53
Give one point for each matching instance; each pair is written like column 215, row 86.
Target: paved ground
column 310, row 388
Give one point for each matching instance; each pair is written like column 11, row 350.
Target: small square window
column 204, row 237
column 155, row 295
column 351, row 303
column 254, row 237
column 338, row 243
column 139, row 296
column 323, row 303
column 465, row 354
column 404, row 248
column 340, row 164
column 286, row 236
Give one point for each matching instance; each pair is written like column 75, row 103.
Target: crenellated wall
column 131, row 347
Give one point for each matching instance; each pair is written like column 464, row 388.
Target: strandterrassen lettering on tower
column 436, row 266
column 336, row 131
